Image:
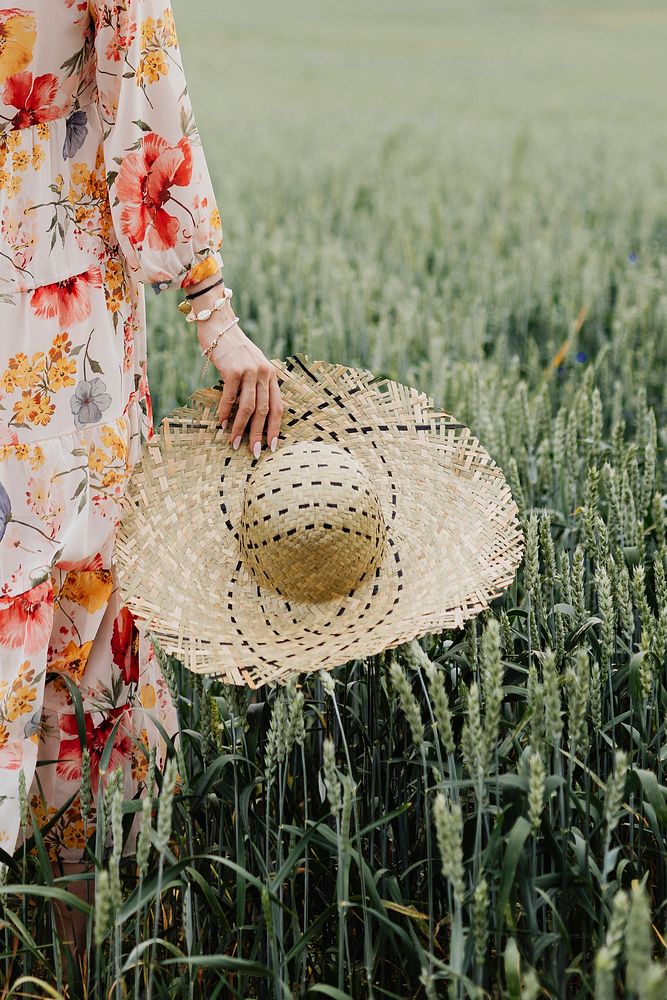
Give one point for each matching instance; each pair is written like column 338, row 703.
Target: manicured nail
column 256, row 448
column 223, row 424
column 274, row 443
column 236, row 442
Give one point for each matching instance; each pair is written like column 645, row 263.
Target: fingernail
column 236, row 442
column 274, row 443
column 256, row 448
column 223, row 424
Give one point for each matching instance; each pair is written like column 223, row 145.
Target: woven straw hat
column 378, row 519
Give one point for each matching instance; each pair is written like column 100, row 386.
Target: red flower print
column 69, row 300
column 125, row 645
column 26, row 619
column 69, row 752
column 86, row 564
column 143, row 187
column 11, row 756
column 33, row 97
column 121, row 40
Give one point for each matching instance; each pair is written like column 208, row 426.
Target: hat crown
column 311, row 526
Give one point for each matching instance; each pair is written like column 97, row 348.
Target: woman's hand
column 246, row 373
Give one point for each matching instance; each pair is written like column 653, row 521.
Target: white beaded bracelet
column 201, row 317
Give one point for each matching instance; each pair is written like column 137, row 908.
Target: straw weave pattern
column 378, row 519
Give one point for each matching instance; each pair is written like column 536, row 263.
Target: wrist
column 208, row 329
column 208, row 349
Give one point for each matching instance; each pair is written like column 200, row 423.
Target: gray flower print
column 89, row 400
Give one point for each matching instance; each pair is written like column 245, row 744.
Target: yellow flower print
column 73, row 833
column 4, row 736
column 15, row 185
column 89, row 588
column 96, row 187
column 20, row 702
column 36, row 457
column 97, row 459
column 147, row 32
column 105, row 220
column 116, row 444
column 37, row 409
column 26, row 371
column 152, row 67
column 114, row 302
column 38, row 157
column 170, row 38
column 148, row 697
column 43, row 130
column 4, row 180
column 43, row 409
column 21, row 451
column 113, row 275
column 23, row 408
column 20, row 160
column 61, row 373
column 18, row 34
column 8, row 380
column 59, row 182
column 73, row 660
column 204, row 269
column 73, row 836
column 80, row 173
column 139, row 758
column 62, row 342
column 113, row 477
column 39, row 810
column 26, row 670
column 14, row 139
column 216, row 222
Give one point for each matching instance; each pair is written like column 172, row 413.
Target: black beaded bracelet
column 204, row 290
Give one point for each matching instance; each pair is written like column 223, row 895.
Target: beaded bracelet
column 209, row 350
column 200, row 317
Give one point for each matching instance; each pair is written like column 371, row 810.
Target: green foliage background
column 409, row 185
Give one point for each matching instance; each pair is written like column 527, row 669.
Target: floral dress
column 104, row 187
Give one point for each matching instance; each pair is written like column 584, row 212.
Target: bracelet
column 200, row 317
column 209, row 350
column 203, row 291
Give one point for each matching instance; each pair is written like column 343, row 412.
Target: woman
column 103, row 187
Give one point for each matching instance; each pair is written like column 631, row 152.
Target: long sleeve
column 163, row 206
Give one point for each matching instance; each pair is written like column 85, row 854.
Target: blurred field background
column 410, row 185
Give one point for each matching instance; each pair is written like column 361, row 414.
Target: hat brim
column 453, row 535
